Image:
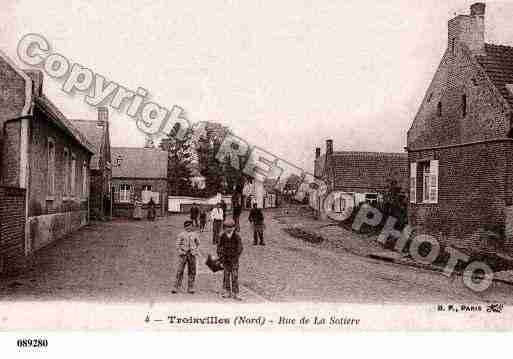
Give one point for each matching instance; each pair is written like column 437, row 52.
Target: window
column 464, row 105
column 84, row 179
column 425, row 181
column 124, row 193
column 430, row 97
column 66, row 172
column 51, row 167
column 146, row 187
column 73, row 175
column 428, row 172
column 371, row 198
column 439, row 109
column 453, row 44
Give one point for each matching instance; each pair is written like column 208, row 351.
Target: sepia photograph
column 339, row 166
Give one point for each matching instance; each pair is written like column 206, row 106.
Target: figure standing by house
column 138, row 212
column 187, row 244
column 202, row 218
column 194, row 214
column 256, row 218
column 237, row 210
column 224, row 206
column 229, row 251
column 151, row 210
column 217, row 217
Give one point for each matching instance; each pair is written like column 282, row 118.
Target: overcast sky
column 284, row 75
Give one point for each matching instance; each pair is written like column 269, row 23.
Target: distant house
column 271, row 194
column 460, row 145
column 357, row 177
column 261, row 193
column 197, row 180
column 44, row 160
column 138, row 174
column 97, row 133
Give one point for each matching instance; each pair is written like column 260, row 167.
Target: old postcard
column 255, row 166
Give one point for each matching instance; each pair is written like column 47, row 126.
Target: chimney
column 103, row 116
column 37, row 81
column 329, row 147
column 317, row 152
column 469, row 30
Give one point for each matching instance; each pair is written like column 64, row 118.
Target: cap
column 229, row 224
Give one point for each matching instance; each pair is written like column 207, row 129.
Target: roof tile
column 137, row 162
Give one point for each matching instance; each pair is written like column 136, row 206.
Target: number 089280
column 32, row 343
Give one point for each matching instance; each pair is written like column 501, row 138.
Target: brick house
column 357, row 177
column 137, row 174
column 460, row 146
column 97, row 133
column 43, row 154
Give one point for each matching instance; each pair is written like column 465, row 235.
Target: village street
column 135, row 261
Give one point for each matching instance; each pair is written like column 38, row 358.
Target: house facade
column 139, row 174
column 44, row 155
column 262, row 193
column 97, row 133
column 355, row 177
column 460, row 143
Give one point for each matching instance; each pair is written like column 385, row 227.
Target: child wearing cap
column 187, row 244
column 229, row 250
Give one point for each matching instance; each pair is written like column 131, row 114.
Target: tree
column 291, row 186
column 179, row 161
column 220, row 175
column 210, row 168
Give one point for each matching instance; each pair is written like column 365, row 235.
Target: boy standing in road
column 256, row 218
column 229, row 251
column 217, row 217
column 236, row 210
column 194, row 214
column 187, row 244
column 202, row 219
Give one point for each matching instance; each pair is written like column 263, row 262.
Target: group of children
column 198, row 213
column 229, row 249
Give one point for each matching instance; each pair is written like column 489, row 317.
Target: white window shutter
column 413, row 182
column 433, row 181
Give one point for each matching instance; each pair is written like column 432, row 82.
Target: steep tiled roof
column 498, row 65
column 95, row 135
column 137, row 162
column 369, row 171
column 62, row 122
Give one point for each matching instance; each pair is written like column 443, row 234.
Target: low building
column 356, row 177
column 260, row 192
column 460, row 144
column 97, row 133
column 139, row 174
column 45, row 155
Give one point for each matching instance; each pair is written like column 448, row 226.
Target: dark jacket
column 237, row 211
column 224, row 206
column 256, row 216
column 229, row 248
column 194, row 212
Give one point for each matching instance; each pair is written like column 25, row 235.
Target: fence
column 182, row 204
